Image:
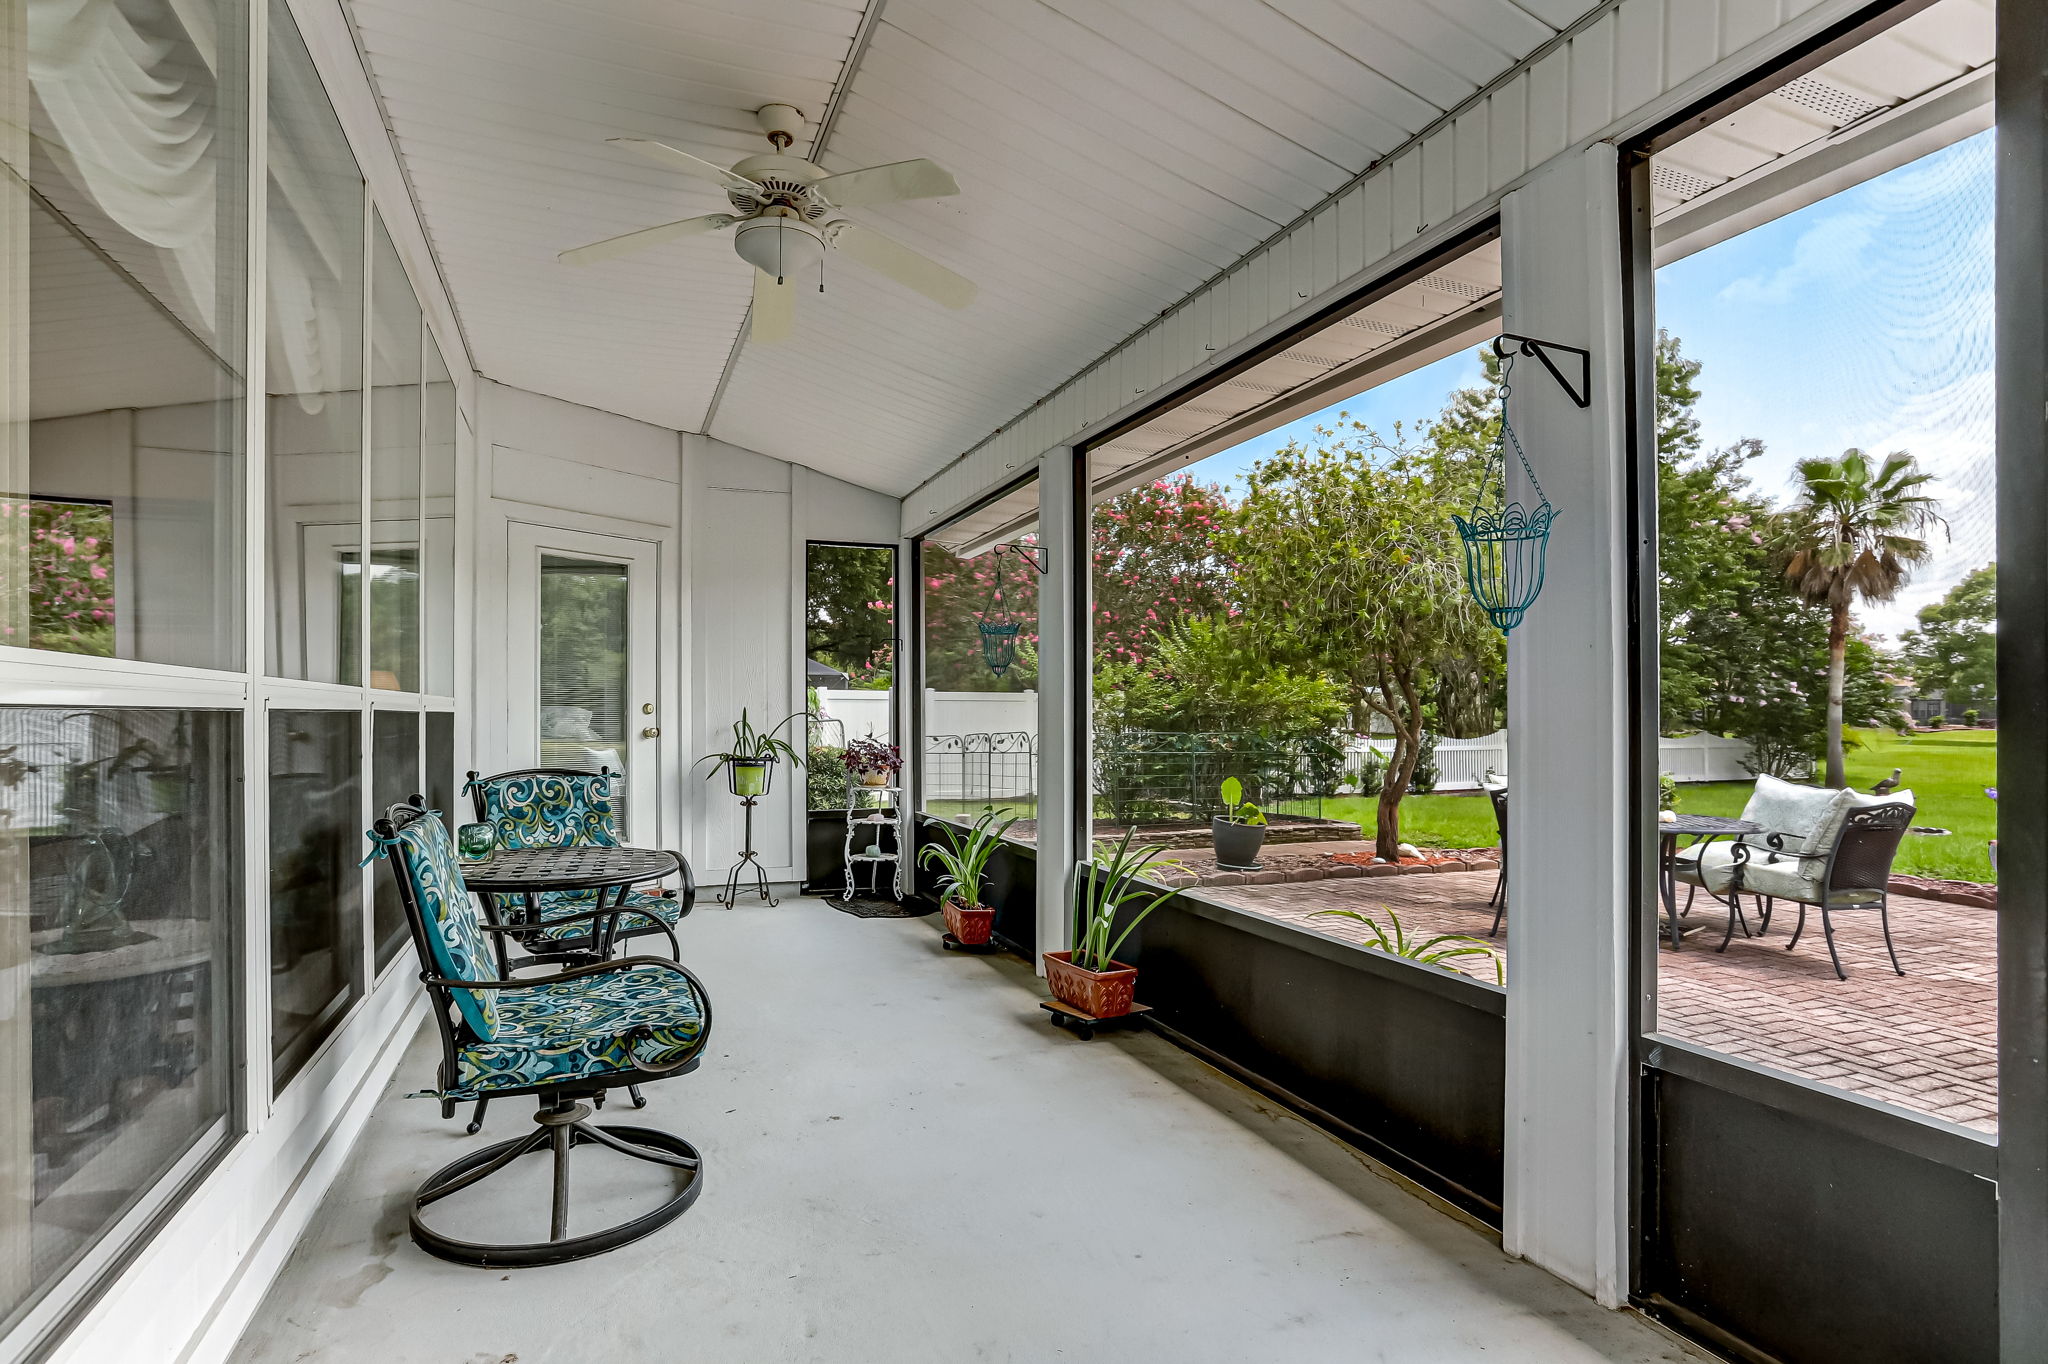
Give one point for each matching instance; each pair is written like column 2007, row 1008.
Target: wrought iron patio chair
column 1499, row 901
column 564, row 1038
column 1853, row 872
column 549, row 807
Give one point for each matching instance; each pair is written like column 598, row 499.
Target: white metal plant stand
column 866, row 823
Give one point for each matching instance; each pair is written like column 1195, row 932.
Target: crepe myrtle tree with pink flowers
column 70, row 547
column 1158, row 561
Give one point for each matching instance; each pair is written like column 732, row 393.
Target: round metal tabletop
column 518, row 870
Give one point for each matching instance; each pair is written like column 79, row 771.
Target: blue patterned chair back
column 548, row 809
column 424, row 855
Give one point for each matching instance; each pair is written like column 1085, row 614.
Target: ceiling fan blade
column 903, row 265
column 612, row 247
column 774, row 315
column 676, row 159
column 918, row 179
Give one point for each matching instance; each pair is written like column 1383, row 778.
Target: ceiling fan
column 783, row 219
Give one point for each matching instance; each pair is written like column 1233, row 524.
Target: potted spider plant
column 1109, row 902
column 1240, row 831
column 1437, row 951
column 962, row 859
column 750, row 763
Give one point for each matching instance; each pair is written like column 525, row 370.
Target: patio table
column 526, row 873
column 1702, row 829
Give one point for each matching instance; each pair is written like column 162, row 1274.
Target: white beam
column 1060, row 524
column 1568, row 882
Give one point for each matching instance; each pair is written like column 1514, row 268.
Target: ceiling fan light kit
column 780, row 244
column 783, row 223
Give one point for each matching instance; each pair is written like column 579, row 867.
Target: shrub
column 825, row 778
column 1372, row 773
column 1424, row 780
column 1970, row 718
column 1936, row 720
column 1667, row 791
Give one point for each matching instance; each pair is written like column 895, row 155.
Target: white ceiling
column 1112, row 156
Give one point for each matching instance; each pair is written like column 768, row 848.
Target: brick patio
column 1925, row 1042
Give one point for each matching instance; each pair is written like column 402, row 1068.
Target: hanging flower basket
column 1505, row 546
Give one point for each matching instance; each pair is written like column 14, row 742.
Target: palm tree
column 1855, row 531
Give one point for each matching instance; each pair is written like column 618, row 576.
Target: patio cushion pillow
column 1808, row 817
column 1785, row 879
column 575, row 1029
column 550, row 809
column 455, row 935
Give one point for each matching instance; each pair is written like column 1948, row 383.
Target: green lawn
column 969, row 810
column 1946, row 769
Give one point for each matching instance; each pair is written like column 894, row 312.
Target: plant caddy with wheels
column 962, row 861
column 1091, row 988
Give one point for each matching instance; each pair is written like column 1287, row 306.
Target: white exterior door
column 585, row 685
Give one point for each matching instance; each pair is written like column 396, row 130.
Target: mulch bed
column 1279, row 866
column 1953, row 892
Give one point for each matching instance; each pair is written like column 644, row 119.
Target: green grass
column 1461, row 821
column 1946, row 769
column 1026, row 808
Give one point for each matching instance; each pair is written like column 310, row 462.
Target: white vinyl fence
column 945, row 712
column 979, row 746
column 981, row 734
column 1461, row 763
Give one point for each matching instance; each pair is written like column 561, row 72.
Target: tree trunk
column 1838, row 657
column 1400, row 771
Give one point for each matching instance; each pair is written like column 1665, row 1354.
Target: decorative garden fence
column 1145, row 775
column 981, row 768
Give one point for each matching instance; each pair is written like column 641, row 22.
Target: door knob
column 651, row 732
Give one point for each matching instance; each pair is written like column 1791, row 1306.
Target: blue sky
column 1863, row 320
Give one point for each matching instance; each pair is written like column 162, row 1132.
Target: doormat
column 868, row 907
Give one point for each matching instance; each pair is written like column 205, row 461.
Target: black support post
column 2022, row 667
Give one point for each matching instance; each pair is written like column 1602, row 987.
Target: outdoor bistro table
column 1702, row 829
column 525, row 873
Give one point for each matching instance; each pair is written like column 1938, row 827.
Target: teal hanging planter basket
column 1504, row 553
column 1505, row 545
column 999, row 645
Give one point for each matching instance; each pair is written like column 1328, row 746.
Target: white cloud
column 1830, row 252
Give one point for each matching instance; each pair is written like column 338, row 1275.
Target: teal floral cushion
column 555, row 904
column 455, row 936
column 574, row 1029
column 550, row 809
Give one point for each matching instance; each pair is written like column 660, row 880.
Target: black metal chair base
column 559, row 1131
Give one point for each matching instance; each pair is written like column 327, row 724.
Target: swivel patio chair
column 1851, row 871
column 547, row 807
column 564, row 1038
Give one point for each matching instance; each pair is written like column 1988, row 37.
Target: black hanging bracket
column 1582, row 393
column 1035, row 555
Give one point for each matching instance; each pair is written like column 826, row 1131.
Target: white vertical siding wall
column 1618, row 72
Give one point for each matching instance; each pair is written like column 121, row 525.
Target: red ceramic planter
column 970, row 926
column 1099, row 994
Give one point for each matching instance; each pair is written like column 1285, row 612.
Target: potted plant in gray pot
column 962, row 860
column 1109, row 902
column 1239, row 832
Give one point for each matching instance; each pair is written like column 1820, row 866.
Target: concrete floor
column 903, row 1162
